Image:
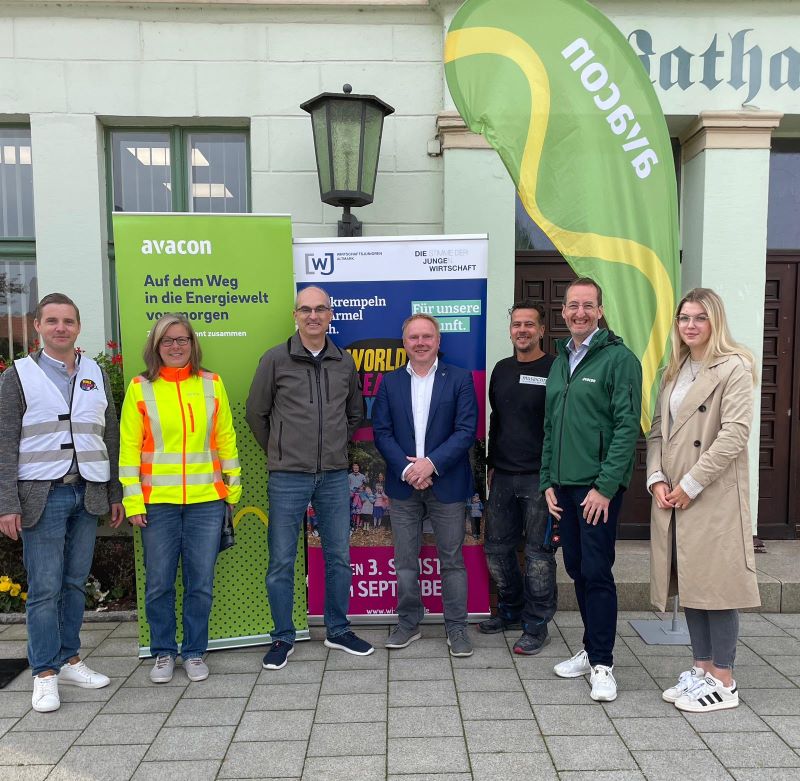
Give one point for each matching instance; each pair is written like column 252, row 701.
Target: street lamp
column 347, row 142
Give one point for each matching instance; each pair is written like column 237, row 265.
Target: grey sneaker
column 196, row 669
column 163, row 669
column 400, row 637
column 459, row 643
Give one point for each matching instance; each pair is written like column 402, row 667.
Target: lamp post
column 347, row 142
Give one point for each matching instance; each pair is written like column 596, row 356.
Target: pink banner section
column 373, row 590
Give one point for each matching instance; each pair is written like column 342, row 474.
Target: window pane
column 18, row 297
column 783, row 220
column 140, row 171
column 16, row 183
column 218, row 172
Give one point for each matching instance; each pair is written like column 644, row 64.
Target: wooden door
column 779, row 456
column 544, row 277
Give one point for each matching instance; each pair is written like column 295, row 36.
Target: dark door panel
column 778, row 451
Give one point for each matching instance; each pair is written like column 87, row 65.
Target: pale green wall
column 473, row 178
column 69, row 207
column 724, row 212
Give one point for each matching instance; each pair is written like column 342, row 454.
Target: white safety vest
column 52, row 432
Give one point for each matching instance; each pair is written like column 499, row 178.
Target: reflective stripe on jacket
column 177, row 442
column 52, row 431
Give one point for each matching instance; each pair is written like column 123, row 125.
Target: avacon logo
column 322, row 264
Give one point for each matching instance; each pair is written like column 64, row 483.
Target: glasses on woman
column 696, row 319
column 181, row 341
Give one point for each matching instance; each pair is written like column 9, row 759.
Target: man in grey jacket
column 59, row 446
column 304, row 405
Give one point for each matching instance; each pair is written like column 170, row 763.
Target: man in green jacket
column 592, row 410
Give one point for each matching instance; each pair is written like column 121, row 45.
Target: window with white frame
column 179, row 169
column 18, row 290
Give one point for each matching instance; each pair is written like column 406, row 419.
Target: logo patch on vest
column 88, row 385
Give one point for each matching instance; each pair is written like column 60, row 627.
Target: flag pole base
column 669, row 631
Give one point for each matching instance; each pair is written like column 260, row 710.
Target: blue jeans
column 289, row 495
column 57, row 553
column 448, row 526
column 588, row 558
column 191, row 532
column 514, row 509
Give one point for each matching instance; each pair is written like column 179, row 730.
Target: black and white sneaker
column 709, row 695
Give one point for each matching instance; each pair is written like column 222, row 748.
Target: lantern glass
column 345, row 129
column 319, row 124
column 373, row 126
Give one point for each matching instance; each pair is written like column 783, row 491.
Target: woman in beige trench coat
column 698, row 475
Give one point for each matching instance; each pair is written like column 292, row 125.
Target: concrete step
column 778, row 573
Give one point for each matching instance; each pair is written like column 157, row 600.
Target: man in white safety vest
column 59, row 446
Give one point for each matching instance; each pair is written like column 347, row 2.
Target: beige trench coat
column 708, row 439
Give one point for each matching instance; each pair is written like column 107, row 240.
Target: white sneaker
column 196, row 669
column 687, row 680
column 604, row 687
column 45, row 694
column 575, row 667
column 81, row 675
column 162, row 670
column 709, row 695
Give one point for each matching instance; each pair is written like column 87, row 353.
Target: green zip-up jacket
column 591, row 420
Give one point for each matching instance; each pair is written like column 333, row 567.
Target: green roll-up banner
column 231, row 274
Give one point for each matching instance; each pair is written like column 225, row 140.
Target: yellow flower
column 24, row 596
column 14, row 590
column 5, row 579
column 5, row 585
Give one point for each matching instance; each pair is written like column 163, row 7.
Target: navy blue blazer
column 452, row 425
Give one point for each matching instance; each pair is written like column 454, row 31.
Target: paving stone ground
column 410, row 715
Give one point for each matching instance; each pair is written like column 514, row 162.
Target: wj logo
column 322, row 264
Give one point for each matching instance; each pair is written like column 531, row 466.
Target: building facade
column 194, row 105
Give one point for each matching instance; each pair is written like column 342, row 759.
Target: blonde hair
column 152, row 359
column 422, row 316
column 720, row 341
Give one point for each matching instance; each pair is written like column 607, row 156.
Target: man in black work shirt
column 515, row 507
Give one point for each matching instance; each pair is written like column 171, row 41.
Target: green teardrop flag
column 555, row 88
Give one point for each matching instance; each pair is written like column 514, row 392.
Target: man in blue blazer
column 424, row 420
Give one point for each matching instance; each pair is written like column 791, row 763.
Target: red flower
column 3, row 366
column 117, row 360
column 111, row 344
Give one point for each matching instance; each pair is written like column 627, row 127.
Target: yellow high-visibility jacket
column 177, row 442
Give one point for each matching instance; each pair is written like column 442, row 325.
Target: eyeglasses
column 573, row 307
column 696, row 319
column 305, row 311
column 181, row 341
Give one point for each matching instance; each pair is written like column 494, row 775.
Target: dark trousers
column 515, row 509
column 588, row 559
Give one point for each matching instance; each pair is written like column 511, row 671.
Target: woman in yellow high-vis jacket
column 178, row 466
